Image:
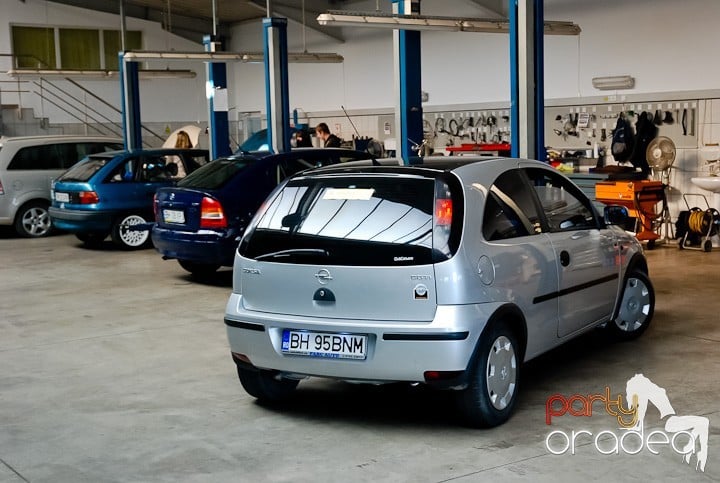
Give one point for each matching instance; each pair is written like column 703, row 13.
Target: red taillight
column 88, row 197
column 443, row 212
column 211, row 214
column 2, row 190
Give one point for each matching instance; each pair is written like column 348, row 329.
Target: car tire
column 130, row 239
column 91, row 239
column 199, row 269
column 493, row 385
column 637, row 306
column 33, row 221
column 266, row 386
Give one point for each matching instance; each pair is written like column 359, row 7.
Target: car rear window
column 214, row 175
column 84, row 170
column 354, row 220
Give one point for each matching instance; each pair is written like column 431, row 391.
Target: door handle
column 579, row 235
column 564, row 258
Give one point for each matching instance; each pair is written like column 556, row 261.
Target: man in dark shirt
column 328, row 140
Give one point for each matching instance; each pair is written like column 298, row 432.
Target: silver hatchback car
column 451, row 273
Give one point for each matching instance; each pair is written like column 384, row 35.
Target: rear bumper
column 205, row 247
column 396, row 351
column 81, row 221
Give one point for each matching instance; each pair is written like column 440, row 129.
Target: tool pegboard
column 453, row 128
column 583, row 127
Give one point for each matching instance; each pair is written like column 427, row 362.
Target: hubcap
column 133, row 238
column 501, row 373
column 36, row 222
column 635, row 306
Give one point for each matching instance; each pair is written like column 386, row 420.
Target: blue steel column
column 514, row 80
column 217, row 112
column 276, row 83
column 130, row 103
column 539, row 33
column 408, row 85
column 527, row 105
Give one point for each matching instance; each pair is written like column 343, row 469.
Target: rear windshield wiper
column 294, row 251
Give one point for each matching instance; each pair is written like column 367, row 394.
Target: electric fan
column 660, row 156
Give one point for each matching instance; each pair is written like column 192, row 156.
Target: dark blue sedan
column 106, row 194
column 200, row 220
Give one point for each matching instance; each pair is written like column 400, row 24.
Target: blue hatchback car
column 106, row 194
column 200, row 221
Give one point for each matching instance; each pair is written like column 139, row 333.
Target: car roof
column 429, row 165
column 295, row 152
column 151, row 151
column 56, row 138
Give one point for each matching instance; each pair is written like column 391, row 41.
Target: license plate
column 62, row 197
column 173, row 216
column 322, row 344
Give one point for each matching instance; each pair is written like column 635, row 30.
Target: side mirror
column 615, row 215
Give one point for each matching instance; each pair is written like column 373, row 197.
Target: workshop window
column 70, row 48
column 73, row 56
column 112, row 45
column 34, row 47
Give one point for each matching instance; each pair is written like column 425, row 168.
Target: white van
column 28, row 164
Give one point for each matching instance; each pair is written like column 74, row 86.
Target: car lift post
column 276, row 83
column 527, row 104
column 130, row 102
column 217, row 96
column 408, row 85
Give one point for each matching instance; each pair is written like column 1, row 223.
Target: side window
column 193, row 161
column 157, row 169
column 86, row 149
column 125, row 172
column 564, row 206
column 510, row 210
column 69, row 154
column 293, row 166
column 500, row 222
column 36, row 158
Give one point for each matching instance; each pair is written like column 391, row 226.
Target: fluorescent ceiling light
column 307, row 57
column 298, row 57
column 337, row 18
column 613, row 82
column 102, row 74
column 138, row 55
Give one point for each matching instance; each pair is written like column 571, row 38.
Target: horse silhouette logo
column 640, row 391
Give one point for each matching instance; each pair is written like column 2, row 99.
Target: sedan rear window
column 214, row 175
column 84, row 170
column 369, row 220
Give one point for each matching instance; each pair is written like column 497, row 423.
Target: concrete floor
column 115, row 368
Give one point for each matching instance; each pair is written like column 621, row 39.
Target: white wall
column 665, row 44
column 161, row 100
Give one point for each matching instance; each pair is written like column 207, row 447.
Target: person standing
column 183, row 142
column 328, row 139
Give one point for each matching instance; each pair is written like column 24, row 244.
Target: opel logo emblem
column 323, row 276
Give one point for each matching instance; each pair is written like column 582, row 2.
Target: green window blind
column 34, row 47
column 133, row 41
column 79, row 49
